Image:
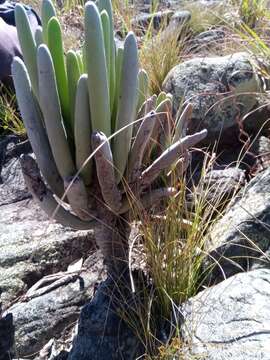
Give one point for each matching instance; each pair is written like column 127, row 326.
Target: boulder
column 38, row 319
column 230, row 320
column 32, row 245
column 102, row 333
column 207, row 40
column 142, row 21
column 221, row 90
column 12, row 187
column 240, row 240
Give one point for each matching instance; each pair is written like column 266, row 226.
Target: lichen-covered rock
column 230, row 320
column 240, row 240
column 41, row 318
column 220, row 89
column 32, row 245
column 12, row 186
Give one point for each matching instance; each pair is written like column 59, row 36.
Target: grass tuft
column 160, row 53
column 10, row 120
column 173, row 247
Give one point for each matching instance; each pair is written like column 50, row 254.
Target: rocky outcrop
column 37, row 319
column 102, row 332
column 221, row 90
column 240, row 240
column 12, row 187
column 32, row 245
column 230, row 320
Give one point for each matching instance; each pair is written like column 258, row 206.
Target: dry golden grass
column 10, row 120
column 160, row 53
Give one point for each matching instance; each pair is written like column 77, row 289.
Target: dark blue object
column 8, row 15
column 9, row 42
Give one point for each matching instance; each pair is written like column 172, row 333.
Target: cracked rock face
column 31, row 246
column 240, row 240
column 52, row 314
column 231, row 320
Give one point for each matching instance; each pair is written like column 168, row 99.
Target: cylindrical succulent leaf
column 105, row 171
column 143, row 87
column 77, row 196
column 164, row 122
column 161, row 97
column 148, row 200
column 107, row 6
column 50, row 106
column 118, row 73
column 33, row 123
column 170, row 156
column 80, row 61
column 55, row 44
column 182, row 123
column 98, row 85
column 38, row 36
column 73, row 73
column 28, row 45
column 82, row 130
column 139, row 145
column 106, row 34
column 47, row 12
column 45, row 197
column 169, row 96
column 127, row 104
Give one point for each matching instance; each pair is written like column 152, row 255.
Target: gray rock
column 13, row 188
column 207, row 40
column 102, row 334
column 230, row 320
column 213, row 86
column 180, row 17
column 45, row 317
column 176, row 24
column 31, row 246
column 220, row 185
column 261, row 149
column 240, row 240
column 142, row 21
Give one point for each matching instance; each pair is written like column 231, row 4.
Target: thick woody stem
column 168, row 157
column 105, row 171
column 112, row 239
column 45, row 197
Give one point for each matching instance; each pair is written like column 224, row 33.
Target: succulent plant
column 80, row 112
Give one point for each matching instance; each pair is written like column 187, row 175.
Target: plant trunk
column 112, row 239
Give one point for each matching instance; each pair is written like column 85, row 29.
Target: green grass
column 172, row 248
column 10, row 120
column 204, row 17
